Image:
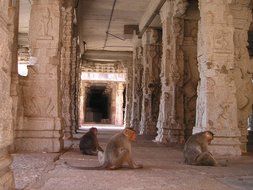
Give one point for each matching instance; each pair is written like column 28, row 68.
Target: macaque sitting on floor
column 89, row 143
column 196, row 150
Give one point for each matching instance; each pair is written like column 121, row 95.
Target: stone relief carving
column 45, row 23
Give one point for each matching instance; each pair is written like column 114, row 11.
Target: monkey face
column 209, row 136
column 130, row 134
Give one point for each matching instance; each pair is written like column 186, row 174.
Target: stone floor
column 163, row 169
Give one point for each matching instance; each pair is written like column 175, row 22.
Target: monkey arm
column 98, row 147
column 132, row 164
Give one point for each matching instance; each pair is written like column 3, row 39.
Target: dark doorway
column 97, row 105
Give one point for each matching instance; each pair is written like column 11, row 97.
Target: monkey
column 196, row 150
column 89, row 143
column 117, row 152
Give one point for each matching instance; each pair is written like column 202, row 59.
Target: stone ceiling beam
column 151, row 12
column 104, row 55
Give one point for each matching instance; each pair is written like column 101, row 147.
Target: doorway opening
column 97, row 105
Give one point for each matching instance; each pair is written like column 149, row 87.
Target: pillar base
column 226, row 146
column 38, row 144
column 6, row 175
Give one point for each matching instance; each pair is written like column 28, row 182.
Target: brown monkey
column 117, row 152
column 89, row 143
column 196, row 150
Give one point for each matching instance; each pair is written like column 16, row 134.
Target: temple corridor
column 165, row 71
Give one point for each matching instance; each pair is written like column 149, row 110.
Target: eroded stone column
column 66, row 60
column 191, row 73
column 150, row 81
column 171, row 111
column 119, row 104
column 216, row 102
column 42, row 127
column 6, row 122
column 243, row 69
column 128, row 97
column 137, row 85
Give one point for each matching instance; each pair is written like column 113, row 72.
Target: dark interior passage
column 97, row 105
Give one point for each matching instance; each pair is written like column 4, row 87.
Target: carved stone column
column 216, row 102
column 75, row 82
column 128, row 97
column 191, row 73
column 6, row 117
column 171, row 113
column 66, row 60
column 243, row 69
column 119, row 104
column 42, row 128
column 137, row 82
column 82, row 103
column 150, row 81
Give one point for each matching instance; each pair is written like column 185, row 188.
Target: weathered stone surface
column 65, row 66
column 191, row 73
column 129, row 88
column 41, row 95
column 151, row 61
column 242, row 68
column 119, row 104
column 7, row 38
column 171, row 112
column 137, row 85
column 217, row 103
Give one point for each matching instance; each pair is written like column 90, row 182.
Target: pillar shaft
column 42, row 127
column 171, row 113
column 216, row 103
column 137, row 85
column 66, row 60
column 119, row 104
column 243, row 69
column 128, row 97
column 150, row 81
column 6, row 117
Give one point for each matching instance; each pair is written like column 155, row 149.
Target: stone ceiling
column 93, row 19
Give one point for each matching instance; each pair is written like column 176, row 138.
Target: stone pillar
column 137, row 82
column 216, row 102
column 82, row 103
column 251, row 122
column 66, row 60
column 6, row 117
column 113, row 102
column 128, row 97
column 42, row 127
column 119, row 104
column 75, row 82
column 150, row 81
column 108, row 92
column 171, row 113
column 243, row 69
column 191, row 73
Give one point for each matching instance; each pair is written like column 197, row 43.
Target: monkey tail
column 102, row 167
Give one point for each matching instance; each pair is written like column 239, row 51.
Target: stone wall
column 7, row 38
